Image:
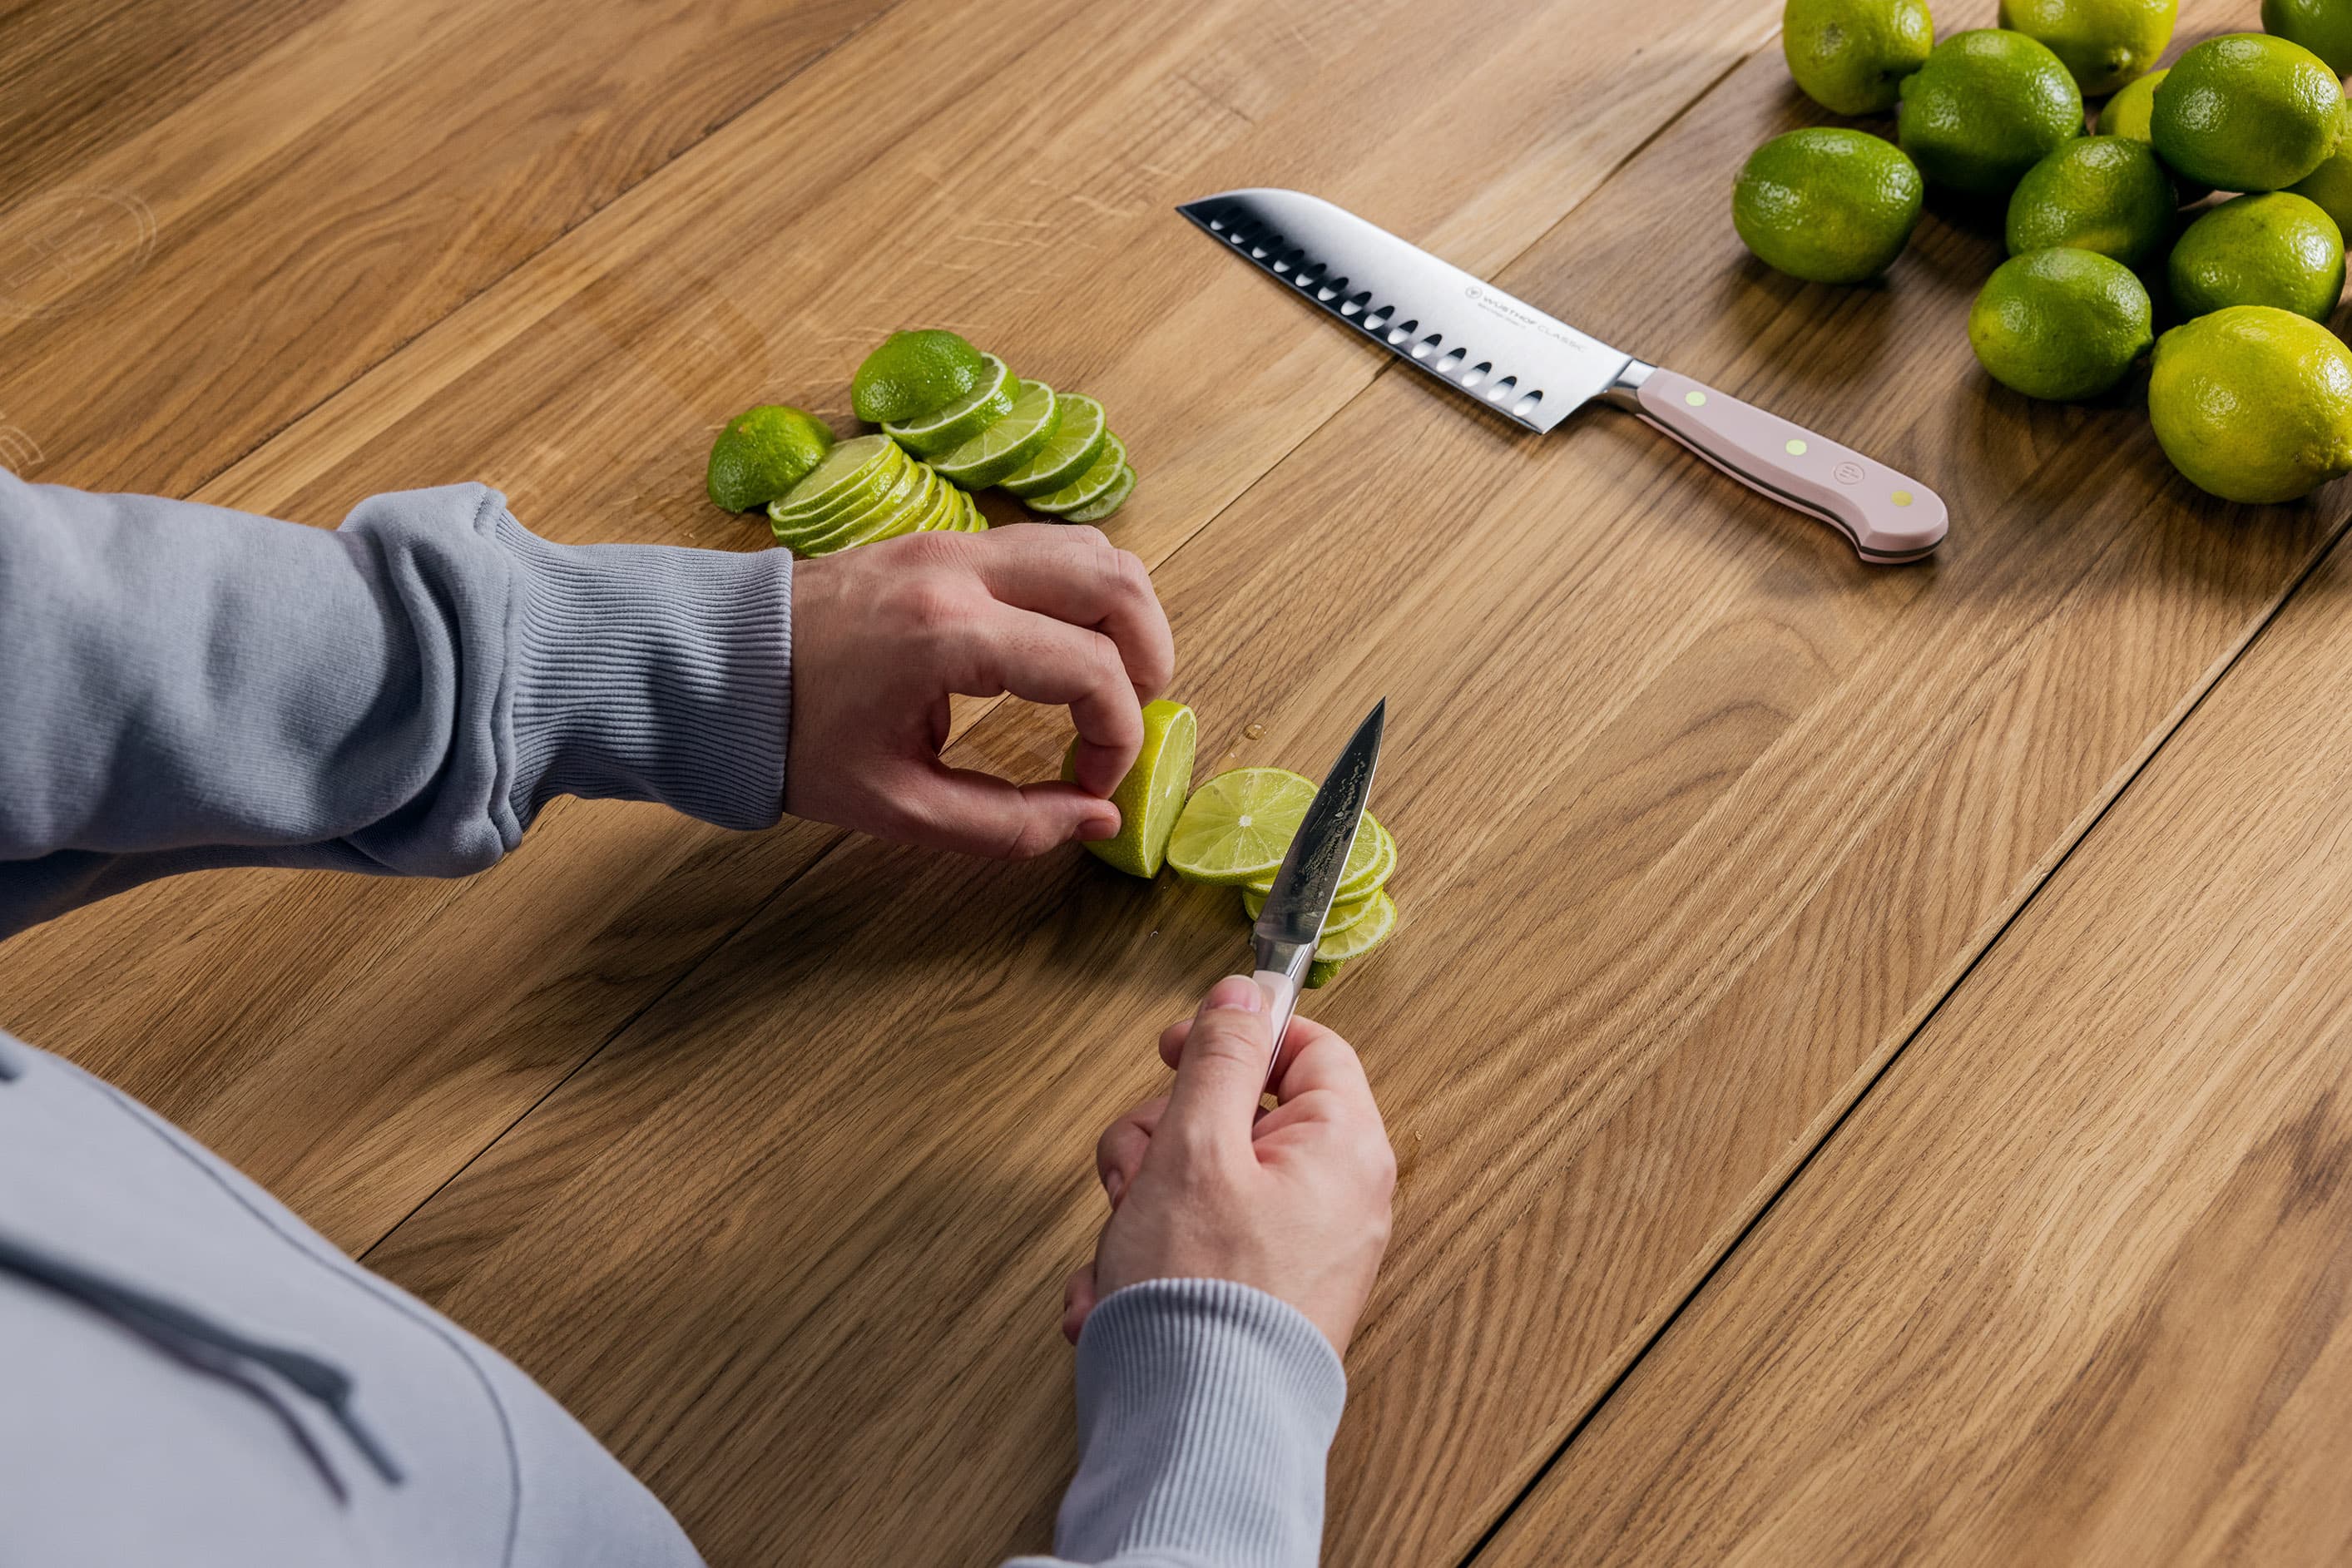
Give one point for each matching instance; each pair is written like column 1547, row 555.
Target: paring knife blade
column 1291, row 924
column 1536, row 371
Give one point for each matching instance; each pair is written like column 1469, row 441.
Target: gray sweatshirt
column 193, row 1377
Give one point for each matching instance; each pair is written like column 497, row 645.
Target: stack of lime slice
column 865, row 489
column 1235, row 830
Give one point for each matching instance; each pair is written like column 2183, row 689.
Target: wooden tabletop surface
column 1864, row 1045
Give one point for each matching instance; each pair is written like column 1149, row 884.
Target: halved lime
column 1078, row 442
column 1122, row 486
column 763, row 453
column 1152, row 794
column 1237, row 825
column 913, row 373
column 912, row 487
column 1007, row 443
column 1342, row 916
column 1090, row 485
column 860, row 459
column 1371, row 860
column 966, row 417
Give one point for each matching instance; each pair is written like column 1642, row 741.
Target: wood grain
column 353, row 1044
column 2074, row 1284
column 1699, row 817
column 334, row 189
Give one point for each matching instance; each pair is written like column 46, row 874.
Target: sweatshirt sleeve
column 187, row 686
column 1206, row 1410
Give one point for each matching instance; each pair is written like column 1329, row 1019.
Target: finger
column 1319, row 1062
column 1119, row 1153
column 1294, row 1039
column 1171, row 1042
column 1077, row 1300
column 1047, row 661
column 1222, row 1071
column 1074, row 574
column 980, row 814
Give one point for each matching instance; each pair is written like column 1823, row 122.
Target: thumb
column 1221, row 1074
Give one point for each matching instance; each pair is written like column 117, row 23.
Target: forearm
column 1205, row 1413
column 189, row 686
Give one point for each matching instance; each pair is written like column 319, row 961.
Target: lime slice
column 1077, row 442
column 1237, row 825
column 855, row 462
column 1152, row 794
column 762, row 453
column 1321, row 973
column 1371, row 860
column 1361, row 938
column 1122, row 486
column 1342, row 916
column 1008, row 443
column 974, row 520
column 911, row 488
column 943, row 516
column 1100, row 477
column 913, row 373
column 966, row 417
column 897, row 514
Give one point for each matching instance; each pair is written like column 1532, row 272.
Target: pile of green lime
column 1233, row 830
column 954, row 419
column 2095, row 223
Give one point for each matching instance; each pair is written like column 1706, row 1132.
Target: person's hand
column 883, row 635
column 1203, row 1185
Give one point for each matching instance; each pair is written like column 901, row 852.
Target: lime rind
column 859, row 459
column 1100, row 477
column 1236, row 826
column 1007, row 443
column 1151, row 796
column 1077, row 442
column 899, row 514
column 762, row 453
column 911, row 488
column 964, row 418
column 1122, row 486
column 910, row 373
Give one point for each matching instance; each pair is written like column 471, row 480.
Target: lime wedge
column 1342, row 916
column 1122, row 486
column 1090, row 485
column 911, row 488
column 1237, row 825
column 1152, row 794
column 964, row 418
column 1008, row 443
column 851, row 464
column 1078, row 442
column 1371, row 860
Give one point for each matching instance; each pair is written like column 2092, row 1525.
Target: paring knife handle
column 1281, row 988
column 1888, row 516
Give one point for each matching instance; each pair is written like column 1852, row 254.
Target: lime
column 2273, row 248
column 1321, row 973
column 1378, row 924
column 2246, row 112
column 2061, row 324
column 855, row 464
column 945, row 511
column 2126, row 114
column 2253, row 403
column 1078, row 442
column 1988, row 105
column 1238, row 825
column 1152, row 794
column 1122, row 486
column 971, row 521
column 901, row 514
column 1827, row 206
column 1007, row 443
column 2323, row 27
column 1371, row 860
column 1849, row 55
column 2330, row 184
column 912, row 373
column 762, row 453
column 949, row 425
column 2107, row 194
column 1088, row 487
column 2105, row 43
column 1343, row 914
column 909, row 490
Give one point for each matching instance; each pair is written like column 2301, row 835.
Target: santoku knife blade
column 1536, row 371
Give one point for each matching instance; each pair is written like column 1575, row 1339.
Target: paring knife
column 1291, row 924
column 1536, row 371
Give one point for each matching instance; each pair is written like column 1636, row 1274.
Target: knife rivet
column 1695, row 399
column 1796, row 449
column 1901, row 498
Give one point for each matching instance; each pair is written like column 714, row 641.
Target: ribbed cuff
column 1205, row 1413
column 651, row 673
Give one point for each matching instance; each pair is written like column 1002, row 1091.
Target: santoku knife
column 1536, row 371
column 1291, row 924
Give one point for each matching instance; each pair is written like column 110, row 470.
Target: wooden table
column 1905, row 1123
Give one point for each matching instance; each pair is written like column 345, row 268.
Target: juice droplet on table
column 1254, row 731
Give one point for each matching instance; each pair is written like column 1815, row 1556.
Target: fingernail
column 1104, row 826
column 1236, row 993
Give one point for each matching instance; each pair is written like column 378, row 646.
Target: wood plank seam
column 990, row 706
column 1878, row 1073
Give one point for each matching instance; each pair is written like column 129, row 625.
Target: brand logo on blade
column 1510, row 310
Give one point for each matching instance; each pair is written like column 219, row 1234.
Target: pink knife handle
column 1888, row 516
